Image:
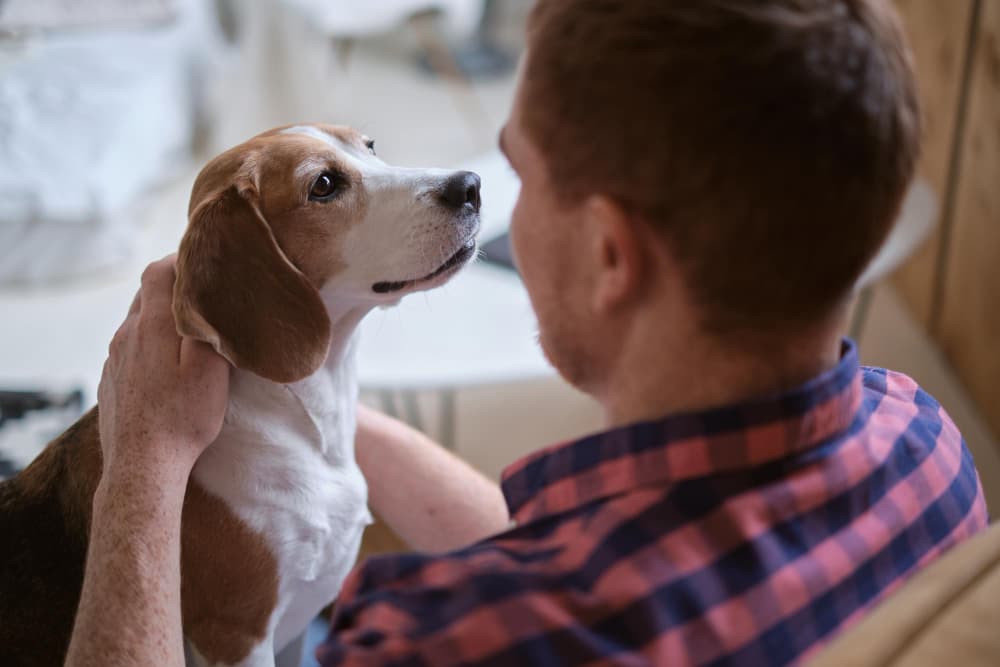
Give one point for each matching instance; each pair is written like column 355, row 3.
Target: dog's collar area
column 463, row 254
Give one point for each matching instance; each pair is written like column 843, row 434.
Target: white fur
column 284, row 461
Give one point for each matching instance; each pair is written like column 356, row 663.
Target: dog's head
column 306, row 215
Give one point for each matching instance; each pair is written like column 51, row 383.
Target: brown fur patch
column 229, row 577
column 229, row 583
column 44, row 527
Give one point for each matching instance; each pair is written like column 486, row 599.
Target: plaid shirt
column 743, row 535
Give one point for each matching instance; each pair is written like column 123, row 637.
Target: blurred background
column 108, row 108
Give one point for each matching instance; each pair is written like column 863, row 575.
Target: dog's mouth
column 454, row 263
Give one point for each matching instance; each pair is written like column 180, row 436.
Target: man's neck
column 659, row 375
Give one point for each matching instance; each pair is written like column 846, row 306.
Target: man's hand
column 162, row 398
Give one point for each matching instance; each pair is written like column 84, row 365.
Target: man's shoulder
column 914, row 431
column 888, row 382
column 888, row 392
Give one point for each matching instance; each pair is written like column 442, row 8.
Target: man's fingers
column 105, row 389
column 156, row 317
column 121, row 336
column 158, row 282
column 105, row 378
column 198, row 354
column 161, row 268
column 136, row 304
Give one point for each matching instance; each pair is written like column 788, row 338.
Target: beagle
column 293, row 237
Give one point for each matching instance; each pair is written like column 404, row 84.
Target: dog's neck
column 344, row 321
column 315, row 415
column 329, row 395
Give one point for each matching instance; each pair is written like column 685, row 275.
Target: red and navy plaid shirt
column 744, row 535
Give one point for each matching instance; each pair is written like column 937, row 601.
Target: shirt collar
column 686, row 446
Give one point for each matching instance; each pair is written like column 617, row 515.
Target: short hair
column 771, row 141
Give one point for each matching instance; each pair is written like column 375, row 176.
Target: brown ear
column 238, row 291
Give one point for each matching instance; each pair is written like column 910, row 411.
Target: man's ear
column 617, row 253
column 238, row 291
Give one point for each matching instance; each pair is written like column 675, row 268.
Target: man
column 703, row 183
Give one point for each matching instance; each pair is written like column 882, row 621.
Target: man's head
column 748, row 157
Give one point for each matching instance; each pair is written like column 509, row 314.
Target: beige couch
column 947, row 616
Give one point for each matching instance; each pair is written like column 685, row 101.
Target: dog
column 293, row 237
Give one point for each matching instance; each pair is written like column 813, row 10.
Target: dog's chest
column 284, row 463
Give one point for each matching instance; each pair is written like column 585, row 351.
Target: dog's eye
column 370, row 143
column 327, row 186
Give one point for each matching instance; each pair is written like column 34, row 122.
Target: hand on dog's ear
column 238, row 291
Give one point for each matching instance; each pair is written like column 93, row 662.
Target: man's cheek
column 517, row 233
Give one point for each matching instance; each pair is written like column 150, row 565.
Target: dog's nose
column 460, row 189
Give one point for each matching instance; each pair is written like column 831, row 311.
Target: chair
column 949, row 614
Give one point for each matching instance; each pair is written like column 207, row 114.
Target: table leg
column 413, row 415
column 448, row 418
column 388, row 401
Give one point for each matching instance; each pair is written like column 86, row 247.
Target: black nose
column 460, row 189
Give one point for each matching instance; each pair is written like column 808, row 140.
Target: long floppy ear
column 238, row 291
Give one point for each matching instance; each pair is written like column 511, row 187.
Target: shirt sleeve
column 400, row 610
column 484, row 605
column 365, row 628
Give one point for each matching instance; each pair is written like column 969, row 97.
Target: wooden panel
column 938, row 33
column 379, row 539
column 970, row 324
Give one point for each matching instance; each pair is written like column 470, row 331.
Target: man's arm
column 430, row 497
column 162, row 400
column 130, row 606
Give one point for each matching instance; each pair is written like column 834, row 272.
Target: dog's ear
column 238, row 291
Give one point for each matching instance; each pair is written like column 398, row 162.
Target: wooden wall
column 969, row 320
column 952, row 283
column 937, row 32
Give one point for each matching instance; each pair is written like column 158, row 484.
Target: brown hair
column 771, row 140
